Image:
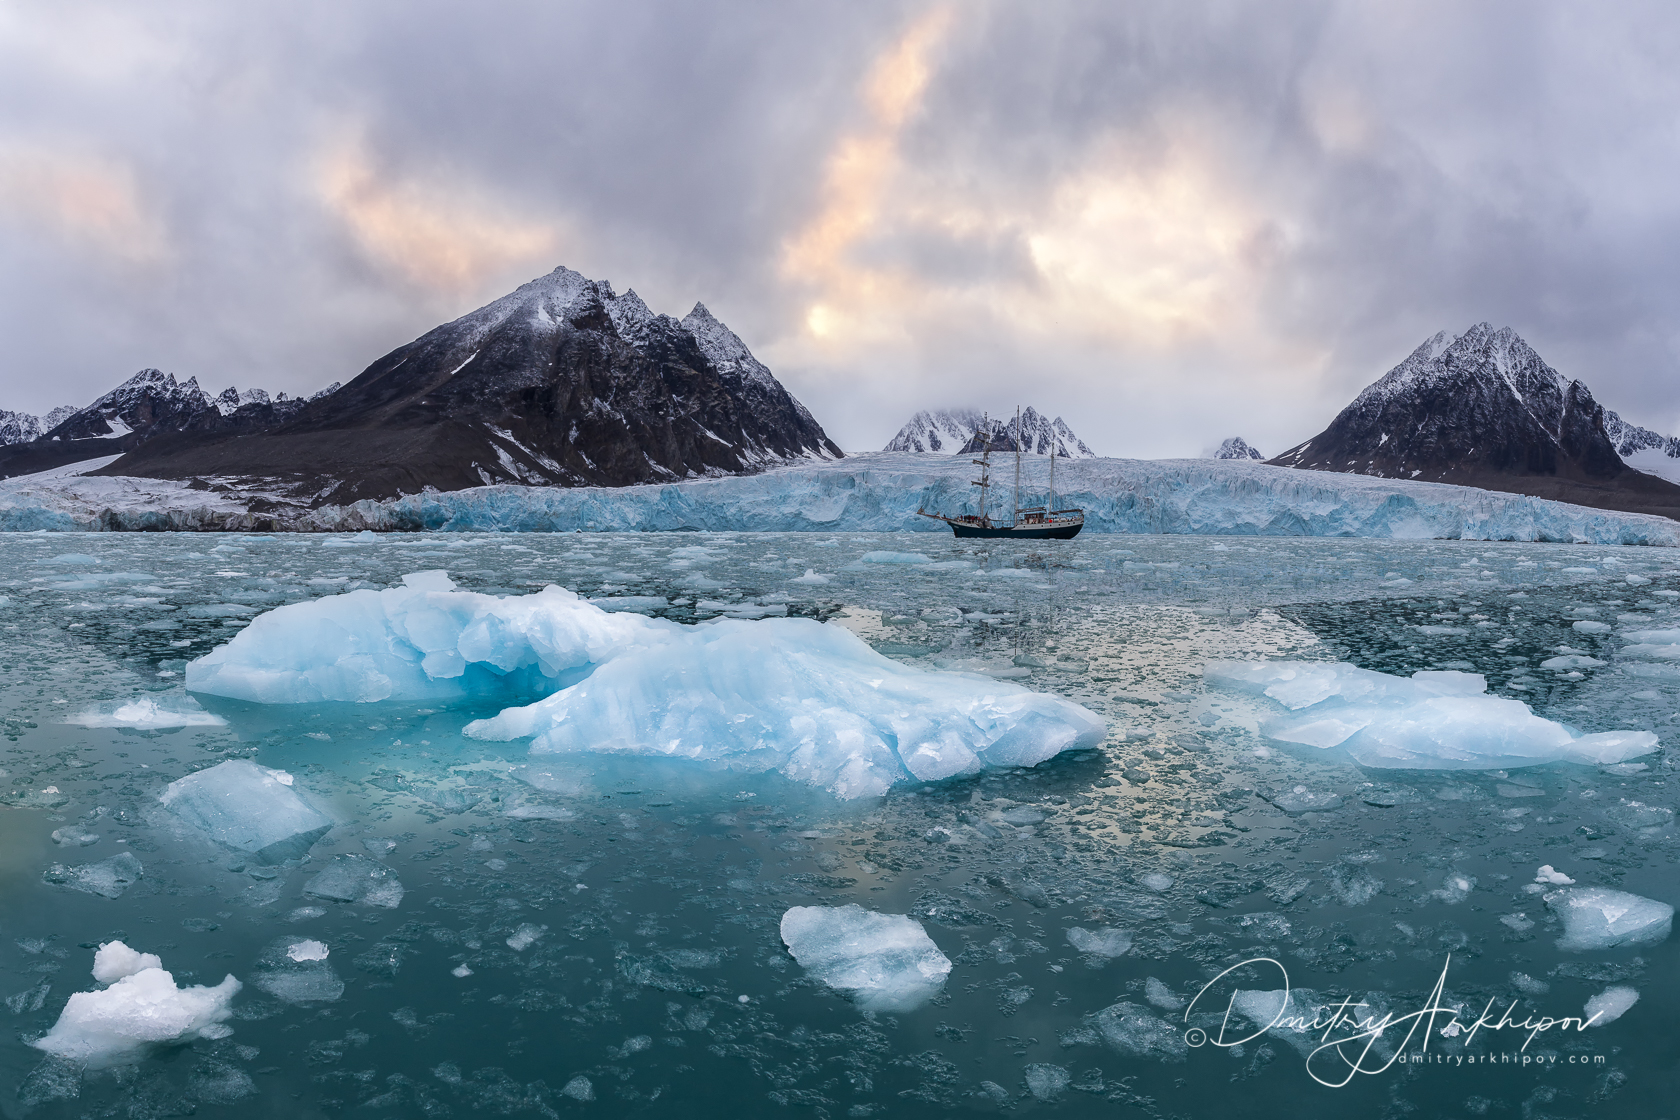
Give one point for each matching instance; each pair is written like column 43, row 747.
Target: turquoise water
column 656, row 982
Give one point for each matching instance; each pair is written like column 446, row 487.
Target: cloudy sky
column 1168, row 222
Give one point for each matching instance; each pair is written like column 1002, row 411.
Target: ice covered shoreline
column 869, row 493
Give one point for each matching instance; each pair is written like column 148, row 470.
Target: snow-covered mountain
column 1483, row 409
column 21, row 427
column 559, row 383
column 1236, row 448
column 956, row 432
column 1644, row 450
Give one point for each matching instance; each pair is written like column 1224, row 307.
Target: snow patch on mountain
column 1644, row 450
column 725, row 349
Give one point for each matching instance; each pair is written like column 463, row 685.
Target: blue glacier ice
column 811, row 701
column 1432, row 720
column 886, row 962
column 248, row 807
column 878, row 492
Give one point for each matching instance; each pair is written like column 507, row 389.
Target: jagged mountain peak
column 956, row 431
column 1236, row 448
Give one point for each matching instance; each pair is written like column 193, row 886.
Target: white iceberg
column 812, row 701
column 248, row 807
column 1600, row 918
column 809, row 700
column 1432, row 720
column 141, row 1008
column 886, row 962
column 1610, row 1004
column 146, row 713
column 423, row 640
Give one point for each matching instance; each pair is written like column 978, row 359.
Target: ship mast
column 1050, row 503
column 1016, row 519
column 985, row 465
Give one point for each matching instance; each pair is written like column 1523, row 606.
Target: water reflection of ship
column 1036, row 523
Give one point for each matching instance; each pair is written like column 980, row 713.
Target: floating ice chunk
column 811, row 578
column 248, row 807
column 354, row 878
column 418, row 641
column 1610, row 1004
column 1588, row 626
column 146, row 713
column 307, row 951
column 578, row 1088
column 108, row 878
column 142, row 1007
column 1546, row 874
column 1599, row 918
column 1158, row 994
column 1300, row 799
column 1156, row 881
column 1454, row 888
column 632, row 602
column 525, row 936
column 1106, row 942
column 294, row 971
column 1136, row 1032
column 887, row 962
column 1572, row 661
column 1432, row 720
column 1046, row 1082
column 114, row 960
column 812, row 701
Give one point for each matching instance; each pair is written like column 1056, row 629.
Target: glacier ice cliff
column 873, row 493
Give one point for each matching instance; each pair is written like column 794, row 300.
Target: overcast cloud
column 1168, row 222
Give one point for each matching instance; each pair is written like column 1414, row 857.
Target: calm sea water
column 653, row 981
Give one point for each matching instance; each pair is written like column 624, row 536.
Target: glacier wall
column 882, row 492
column 871, row 493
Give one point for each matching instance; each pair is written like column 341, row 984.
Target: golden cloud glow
column 1131, row 248
column 443, row 239
column 86, row 200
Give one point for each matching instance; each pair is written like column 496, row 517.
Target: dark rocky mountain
column 1643, row 449
column 1236, row 448
column 956, row 431
column 560, row 383
column 1483, row 409
column 149, row 404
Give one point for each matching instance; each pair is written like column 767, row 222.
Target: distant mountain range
column 1236, row 448
column 958, row 432
column 562, row 382
column 1482, row 409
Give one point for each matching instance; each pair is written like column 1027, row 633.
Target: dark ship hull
column 1017, row 532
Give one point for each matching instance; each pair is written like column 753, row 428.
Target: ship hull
column 1023, row 533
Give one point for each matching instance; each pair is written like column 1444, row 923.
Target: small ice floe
column 297, row 971
column 525, row 936
column 1106, row 942
column 108, row 878
column 1600, row 918
column 149, row 713
column 811, row 578
column 354, row 878
column 1588, row 626
column 142, row 1007
column 1547, row 874
column 886, row 962
column 1157, row 881
column 881, row 556
column 249, row 808
column 1432, row 720
column 1610, row 1004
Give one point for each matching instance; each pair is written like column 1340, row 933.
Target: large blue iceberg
column 811, row 701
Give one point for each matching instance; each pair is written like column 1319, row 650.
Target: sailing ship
column 1033, row 523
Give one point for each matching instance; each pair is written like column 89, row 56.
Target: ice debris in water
column 295, row 971
column 814, row 702
column 1600, row 918
column 145, row 713
column 811, row 701
column 248, row 807
column 354, row 878
column 1105, row 942
column 525, row 936
column 1547, row 874
column 1432, row 720
column 1610, row 1004
column 142, row 1006
column 108, row 878
column 886, row 961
